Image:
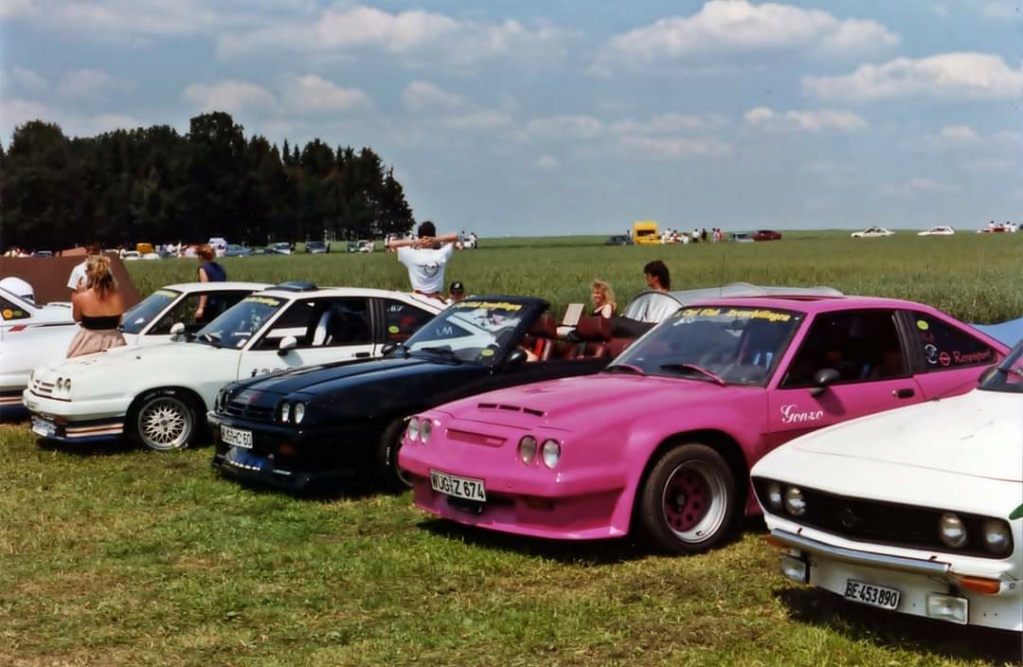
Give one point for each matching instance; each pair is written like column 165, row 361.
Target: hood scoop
column 511, row 408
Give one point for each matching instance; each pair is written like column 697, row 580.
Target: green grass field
column 120, row 557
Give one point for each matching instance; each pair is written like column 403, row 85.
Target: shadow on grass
column 891, row 630
column 105, row 448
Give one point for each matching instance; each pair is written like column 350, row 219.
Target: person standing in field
column 77, row 281
column 98, row 308
column 603, row 299
column 426, row 257
column 657, row 276
column 209, row 272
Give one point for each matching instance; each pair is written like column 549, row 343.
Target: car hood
column 979, row 434
column 163, row 355
column 332, row 378
column 586, row 401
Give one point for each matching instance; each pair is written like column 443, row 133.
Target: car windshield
column 142, row 313
column 1009, row 376
column 472, row 330
column 725, row 345
column 236, row 325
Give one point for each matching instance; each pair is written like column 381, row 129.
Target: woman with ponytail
column 98, row 309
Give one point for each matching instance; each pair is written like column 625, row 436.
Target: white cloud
column 674, row 148
column 90, row 83
column 422, row 95
column 670, row 123
column 576, row 127
column 547, row 163
column 989, row 165
column 1000, row 10
column 14, row 112
column 764, row 119
column 314, row 94
column 28, row 79
column 120, row 20
column 418, row 36
column 964, row 137
column 478, row 120
column 917, row 186
column 230, row 96
column 953, row 76
column 738, row 27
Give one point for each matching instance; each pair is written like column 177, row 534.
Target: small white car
column 872, row 233
column 32, row 336
column 159, row 395
column 916, row 511
column 941, row 230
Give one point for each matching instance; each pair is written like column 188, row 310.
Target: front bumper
column 75, row 421
column 283, row 456
column 928, row 587
column 587, row 503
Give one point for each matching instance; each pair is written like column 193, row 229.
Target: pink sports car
column 661, row 442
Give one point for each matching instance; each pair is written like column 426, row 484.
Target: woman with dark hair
column 98, row 309
column 209, row 272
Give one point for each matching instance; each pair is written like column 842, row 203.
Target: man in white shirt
column 76, row 281
column 426, row 258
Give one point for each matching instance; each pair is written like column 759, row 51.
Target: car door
column 326, row 329
column 867, row 349
column 947, row 359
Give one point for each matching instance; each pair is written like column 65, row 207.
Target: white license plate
column 869, row 594
column 459, row 487
column 43, row 427
column 236, row 437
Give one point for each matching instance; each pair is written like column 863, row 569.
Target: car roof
column 217, row 286
column 313, row 291
column 818, row 304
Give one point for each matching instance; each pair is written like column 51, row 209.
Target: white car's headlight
column 285, row 411
column 795, row 503
column 774, row 498
column 412, row 432
column 551, row 453
column 952, row 531
column 298, row 412
column 527, row 449
column 997, row 537
column 425, row 431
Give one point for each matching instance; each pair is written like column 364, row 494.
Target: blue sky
column 555, row 117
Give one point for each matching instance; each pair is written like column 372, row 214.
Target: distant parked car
column 131, row 255
column 941, row 230
column 742, row 237
column 317, row 247
column 872, row 233
column 280, row 248
column 42, row 253
column 619, row 239
column 766, row 235
column 235, row 250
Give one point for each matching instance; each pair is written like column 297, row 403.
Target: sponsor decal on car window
column 265, row 300
column 746, row 314
column 492, row 305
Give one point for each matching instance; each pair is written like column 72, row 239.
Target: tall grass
column 975, row 277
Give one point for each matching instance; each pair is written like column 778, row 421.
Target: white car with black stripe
column 33, row 336
column 918, row 511
column 159, row 395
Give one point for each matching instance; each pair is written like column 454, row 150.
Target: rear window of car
column 945, row 346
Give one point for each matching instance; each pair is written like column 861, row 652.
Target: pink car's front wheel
column 687, row 504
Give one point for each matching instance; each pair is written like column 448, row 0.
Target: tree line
column 155, row 185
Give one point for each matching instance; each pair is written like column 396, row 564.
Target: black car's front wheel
column 687, row 504
column 390, row 475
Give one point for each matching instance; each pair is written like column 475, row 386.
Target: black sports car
column 311, row 427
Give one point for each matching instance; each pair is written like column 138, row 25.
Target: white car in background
column 159, row 395
column 941, row 230
column 872, row 233
column 32, row 335
column 918, row 510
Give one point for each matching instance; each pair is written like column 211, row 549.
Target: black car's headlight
column 298, row 412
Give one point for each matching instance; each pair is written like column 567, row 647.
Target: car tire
column 688, row 503
column 164, row 420
column 390, row 476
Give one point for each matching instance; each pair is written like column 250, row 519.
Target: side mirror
column 287, row 344
column 516, row 357
column 177, row 331
column 988, row 373
column 823, row 378
column 388, row 348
